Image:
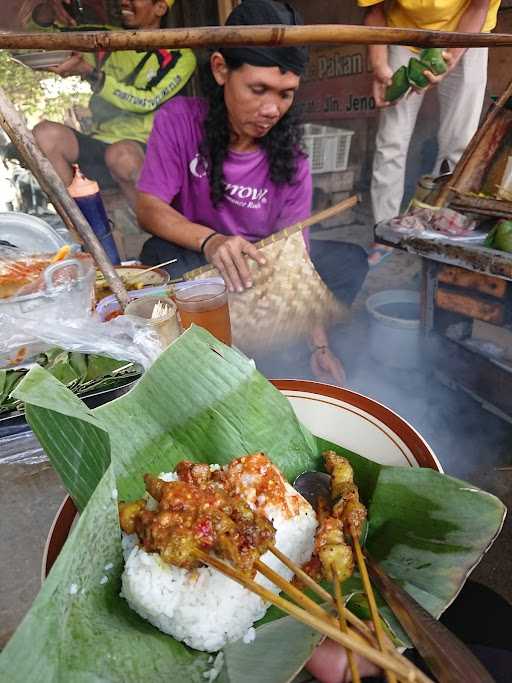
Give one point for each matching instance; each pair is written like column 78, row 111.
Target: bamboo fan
column 288, row 296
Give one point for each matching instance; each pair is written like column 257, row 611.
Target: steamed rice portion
column 202, row 607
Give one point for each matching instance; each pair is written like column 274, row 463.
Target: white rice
column 203, row 608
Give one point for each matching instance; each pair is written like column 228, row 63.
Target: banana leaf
column 399, row 85
column 84, row 373
column 433, row 58
column 204, row 401
column 415, row 73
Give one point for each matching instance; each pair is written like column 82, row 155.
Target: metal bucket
column 395, row 328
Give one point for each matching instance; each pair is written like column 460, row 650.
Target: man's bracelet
column 205, row 241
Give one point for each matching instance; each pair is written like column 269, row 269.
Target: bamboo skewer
column 356, row 678
column 231, row 36
column 363, row 571
column 405, row 670
column 134, row 278
column 300, row 598
column 308, row 604
column 321, row 592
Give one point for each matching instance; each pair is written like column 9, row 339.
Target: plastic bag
column 44, row 288
column 123, row 338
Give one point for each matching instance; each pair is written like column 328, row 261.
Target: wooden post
column 15, row 127
column 225, row 9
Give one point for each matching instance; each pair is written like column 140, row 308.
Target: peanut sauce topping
column 204, row 510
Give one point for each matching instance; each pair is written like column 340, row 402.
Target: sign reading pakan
column 337, row 84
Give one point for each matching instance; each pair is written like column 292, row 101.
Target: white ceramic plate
column 358, row 423
column 42, row 60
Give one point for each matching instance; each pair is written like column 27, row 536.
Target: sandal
column 378, row 254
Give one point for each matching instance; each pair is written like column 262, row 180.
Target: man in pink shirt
column 223, row 173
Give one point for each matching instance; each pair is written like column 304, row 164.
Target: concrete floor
column 469, row 441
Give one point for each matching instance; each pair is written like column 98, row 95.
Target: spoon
column 448, row 658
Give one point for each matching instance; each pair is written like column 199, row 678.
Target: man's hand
column 229, row 255
column 451, row 57
column 327, row 367
column 60, row 14
column 382, row 77
column 329, row 664
column 74, row 66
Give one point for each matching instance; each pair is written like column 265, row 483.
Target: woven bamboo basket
column 288, row 296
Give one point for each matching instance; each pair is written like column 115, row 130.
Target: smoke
column 469, row 441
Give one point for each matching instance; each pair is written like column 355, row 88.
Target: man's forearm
column 472, row 21
column 161, row 220
column 377, row 54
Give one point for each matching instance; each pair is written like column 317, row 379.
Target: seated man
column 224, row 173
column 128, row 88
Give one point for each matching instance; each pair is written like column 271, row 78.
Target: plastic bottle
column 86, row 194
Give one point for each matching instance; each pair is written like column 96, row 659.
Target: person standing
column 460, row 90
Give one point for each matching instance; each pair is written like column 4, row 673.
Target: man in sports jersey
column 460, row 91
column 128, row 88
column 224, row 172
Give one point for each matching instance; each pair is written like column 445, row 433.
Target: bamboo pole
column 224, row 36
column 15, row 127
column 463, row 167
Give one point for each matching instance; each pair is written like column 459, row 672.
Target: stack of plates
column 41, row 60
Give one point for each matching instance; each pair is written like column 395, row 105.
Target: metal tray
column 29, row 233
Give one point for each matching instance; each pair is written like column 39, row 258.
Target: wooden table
column 464, row 286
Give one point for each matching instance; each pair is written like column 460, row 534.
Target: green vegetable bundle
column 500, row 236
column 413, row 74
column 206, row 402
column 82, row 373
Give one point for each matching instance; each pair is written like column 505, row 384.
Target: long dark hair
column 282, row 144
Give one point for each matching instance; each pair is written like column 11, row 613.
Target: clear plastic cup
column 205, row 304
column 167, row 327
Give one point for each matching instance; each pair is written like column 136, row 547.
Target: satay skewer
column 363, row 572
column 386, row 660
column 356, row 678
column 300, row 598
column 321, row 592
column 351, row 513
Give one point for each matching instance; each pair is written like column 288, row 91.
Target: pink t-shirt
column 175, row 172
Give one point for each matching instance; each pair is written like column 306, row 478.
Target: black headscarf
column 251, row 12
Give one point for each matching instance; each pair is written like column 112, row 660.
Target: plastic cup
column 167, row 327
column 205, row 304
